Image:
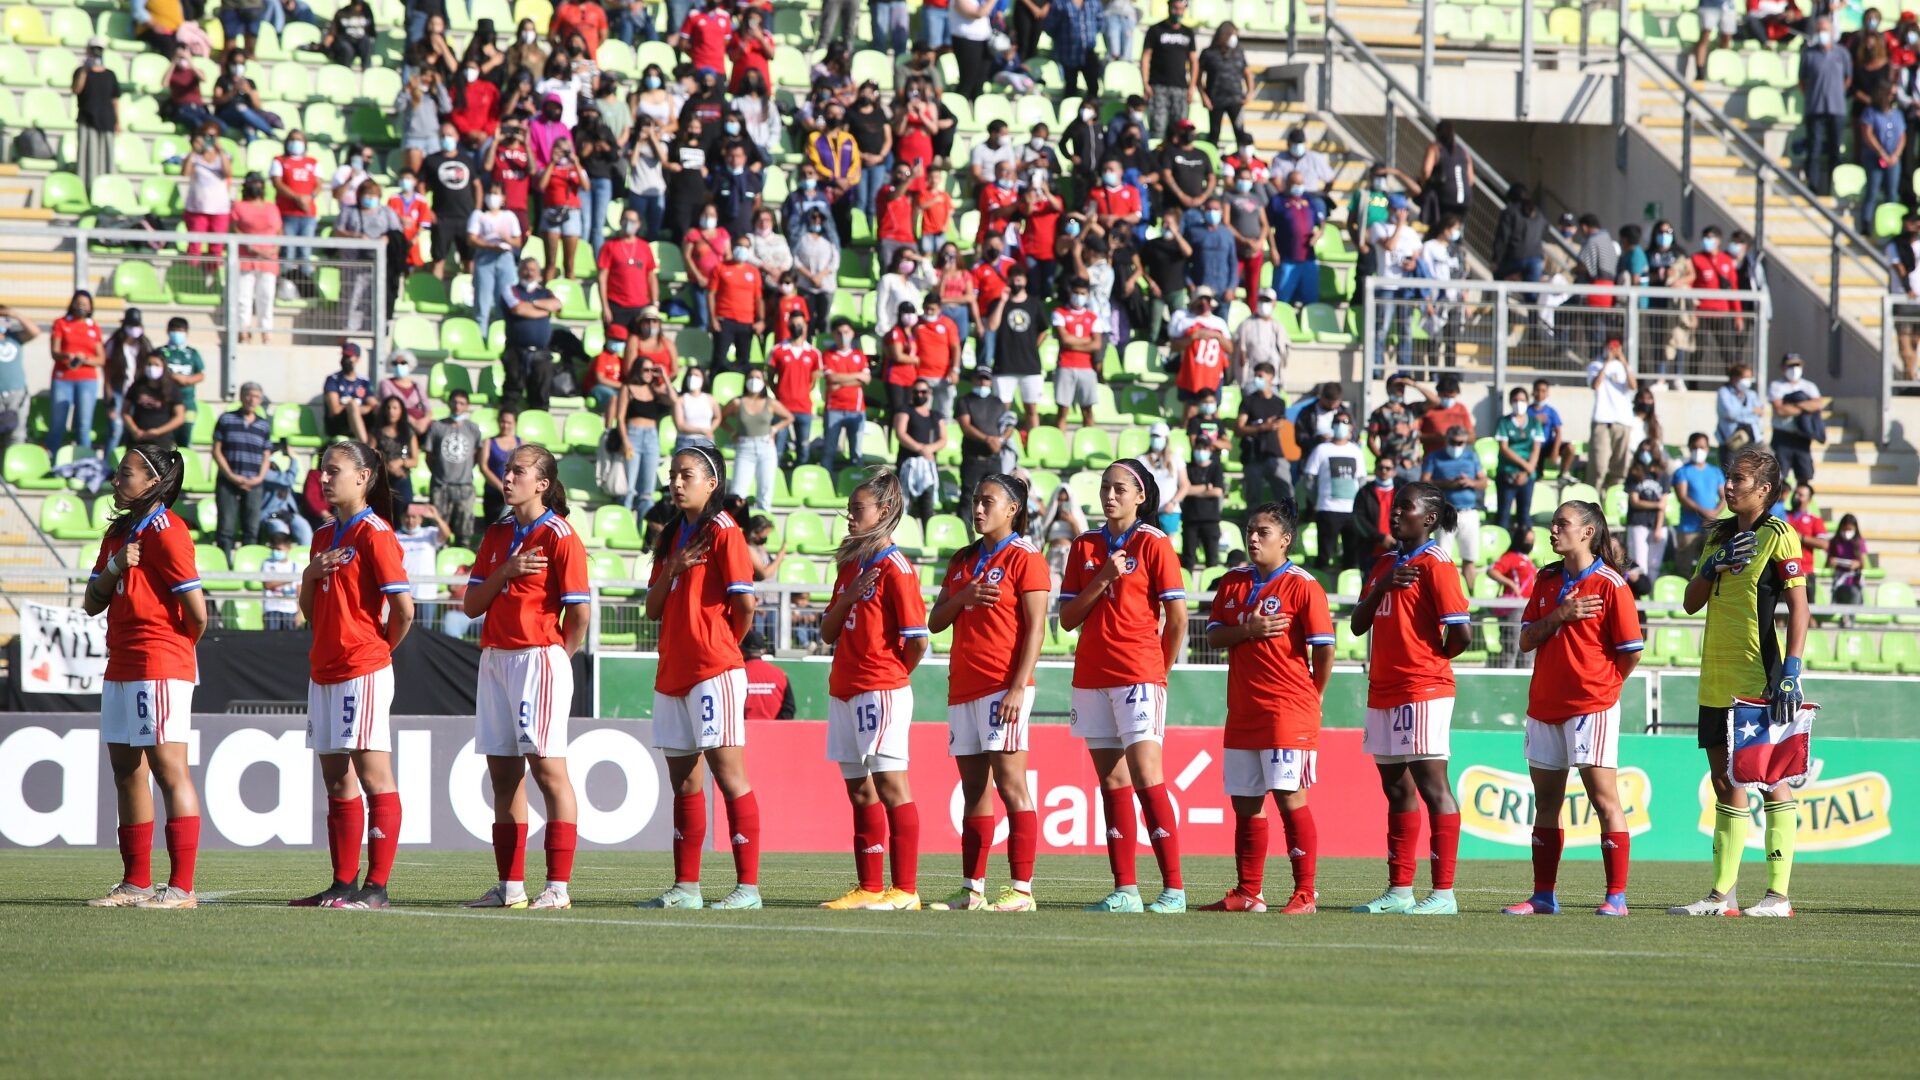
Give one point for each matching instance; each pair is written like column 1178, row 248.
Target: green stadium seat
column 1819, row 654
column 1047, row 448
column 807, row 533
column 581, row 431
column 945, row 534
column 1902, row 651
column 47, row 109
column 812, row 486
column 428, row 295
column 417, row 336
column 1886, row 219
column 539, row 426
column 1673, row 646
column 63, row 516
column 139, row 283
column 617, row 529
column 197, row 473
column 1848, row 180
column 297, row 424
column 1093, row 448
column 247, row 559
column 28, row 467
column 450, row 559
column 211, row 559
column 1860, row 651
column 607, row 566
column 133, row 156
column 1326, row 325
column 583, row 486
column 115, row 193
column 1765, row 105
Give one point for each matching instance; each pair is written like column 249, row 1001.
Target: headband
column 710, row 456
column 1138, row 474
column 1011, row 485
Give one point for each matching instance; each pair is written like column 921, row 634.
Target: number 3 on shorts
column 706, row 708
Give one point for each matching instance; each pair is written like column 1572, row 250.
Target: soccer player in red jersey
column 1416, row 611
column 1271, row 617
column 530, row 582
column 702, row 593
column 145, row 580
column 356, row 597
column 995, row 598
column 1123, row 592
column 877, row 625
column 1583, row 628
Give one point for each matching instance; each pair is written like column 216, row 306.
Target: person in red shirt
column 510, row 164
column 989, row 283
column 1042, row 210
column 1082, row 332
column 629, row 273
column 793, row 366
column 936, row 209
column 999, row 205
column 529, row 582
column 609, row 368
column 561, row 224
column 411, row 208
column 915, row 121
column 579, row 17
column 145, row 580
column 936, row 345
column 78, row 355
column 701, row 591
column 1444, row 411
column 995, row 598
column 1271, row 618
column 704, row 37
column 1416, row 610
column 894, row 205
column 356, row 597
column 877, row 624
column 1583, row 628
column 1115, row 203
column 738, row 313
column 1123, row 591
column 901, row 357
column 791, row 303
column 847, row 375
column 751, row 48
column 295, row 178
column 769, row 694
column 476, row 101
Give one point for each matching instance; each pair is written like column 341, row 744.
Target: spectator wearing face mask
column 1443, row 411
column 1455, row 469
column 1847, row 561
column 1082, row 333
column 1370, row 526
column 95, row 91
column 1259, row 339
column 1294, row 224
column 528, row 358
column 835, row 159
column 1206, row 491
column 369, row 218
column 738, row 312
column 401, row 386
column 1170, row 66
column 1199, row 338
column 1215, row 260
column 410, row 206
column 1041, row 212
column 1393, row 429
column 1262, row 412
column 1797, row 421
column 1826, row 74
column 153, row 412
column 1520, row 439
column 1609, row 442
column 1184, row 174
column 1316, row 171
column 1335, row 468
column 1668, row 267
column 1737, row 410
column 1225, row 83
column 846, row 375
column 1697, row 484
column 898, row 286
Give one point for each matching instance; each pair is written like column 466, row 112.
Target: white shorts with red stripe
column 523, row 702
column 146, row 712
column 867, row 733
column 1119, row 716
column 1590, row 741
column 710, row 716
column 1416, row 732
column 1253, row 773
column 353, row 715
column 977, row 726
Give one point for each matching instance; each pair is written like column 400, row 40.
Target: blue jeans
column 1529, row 269
column 644, row 465
column 492, row 270
column 936, row 27
column 1397, row 317
column 753, row 463
column 850, row 422
column 799, row 436
column 962, row 321
column 890, row 26
column 1513, row 503
column 1118, row 31
column 599, row 197
column 1883, row 186
column 245, row 117
column 116, row 422
column 278, row 18
column 677, row 11
column 697, row 300
column 872, row 179
column 416, row 25
column 1297, row 283
column 652, row 208
column 77, row 397
column 300, row 226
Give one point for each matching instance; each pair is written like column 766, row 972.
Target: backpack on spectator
column 610, row 466
column 32, row 143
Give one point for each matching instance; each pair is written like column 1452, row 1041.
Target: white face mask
column 1793, row 373
column 1037, row 143
column 1699, row 455
column 526, row 37
column 756, row 384
column 694, row 383
column 1157, row 442
column 496, row 200
column 154, row 371
column 1519, row 409
column 709, row 222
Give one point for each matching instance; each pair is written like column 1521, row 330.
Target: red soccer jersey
column 1409, row 627
column 1271, row 700
column 936, row 212
column 146, row 629
column 349, row 633
column 75, row 337
column 871, row 652
column 987, row 639
column 904, row 368
column 895, row 206
column 795, row 364
column 706, row 34
column 513, row 171
column 990, row 281
column 783, row 313
column 1203, row 365
column 1115, row 202
column 301, row 176
column 526, row 614
column 696, row 629
column 1715, row 270
column 846, row 398
column 562, row 189
column 938, row 342
column 624, row 268
column 1043, row 223
column 1573, row 673
column 992, row 198
column 735, row 287
column 1082, row 323
column 413, row 214
column 1120, row 640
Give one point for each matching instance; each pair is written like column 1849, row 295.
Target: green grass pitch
column 245, row 987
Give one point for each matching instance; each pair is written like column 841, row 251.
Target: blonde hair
column 884, row 485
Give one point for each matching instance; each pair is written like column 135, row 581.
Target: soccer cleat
column 371, row 898
column 1709, row 905
column 121, row 895
column 675, row 897
column 742, row 898
column 1541, row 903
column 1436, row 904
column 1012, row 899
column 896, row 900
column 856, row 899
column 1387, row 903
column 1302, row 903
column 1119, row 902
column 497, row 897
column 170, row 898
column 1169, row 902
column 1615, row 905
column 1235, row 900
column 963, row 899
column 1771, row 906
column 339, row 890
column 551, row 899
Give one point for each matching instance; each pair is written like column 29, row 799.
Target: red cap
column 617, row 332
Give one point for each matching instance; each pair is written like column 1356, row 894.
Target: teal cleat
column 676, row 898
column 1437, row 903
column 1121, row 902
column 1391, row 902
column 742, row 898
column 1169, row 902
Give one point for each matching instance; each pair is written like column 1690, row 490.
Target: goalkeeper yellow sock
column 1729, row 843
column 1783, row 826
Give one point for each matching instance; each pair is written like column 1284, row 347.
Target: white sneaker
column 497, row 897
column 551, row 900
column 1771, row 906
column 168, row 897
column 121, row 895
column 1708, row 905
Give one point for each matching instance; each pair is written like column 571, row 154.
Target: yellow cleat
column 1012, row 899
column 896, row 900
column 856, row 899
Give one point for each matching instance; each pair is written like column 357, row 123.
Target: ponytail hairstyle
column 548, row 469
column 884, row 485
column 1137, row 469
column 715, row 467
column 379, row 491
column 1591, row 514
column 1018, row 491
column 168, row 470
column 1284, row 512
column 1427, row 499
column 1765, row 469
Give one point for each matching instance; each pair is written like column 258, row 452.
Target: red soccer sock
column 1446, row 848
column 1163, row 829
column 383, row 836
column 183, row 849
column 1614, row 849
column 1118, row 804
column 346, row 825
column 1023, row 837
column 869, row 845
column 1547, row 844
column 903, row 827
column 562, row 838
column 136, row 854
column 1250, row 852
column 510, row 850
column 976, row 842
column 743, row 817
column 1403, row 833
column 1303, row 846
column 689, row 835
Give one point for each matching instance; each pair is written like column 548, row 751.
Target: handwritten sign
column 62, row 650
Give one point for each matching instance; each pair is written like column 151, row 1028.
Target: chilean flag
column 1760, row 752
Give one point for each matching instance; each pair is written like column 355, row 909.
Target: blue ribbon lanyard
column 1402, row 560
column 1120, row 544
column 686, row 533
column 134, row 533
column 341, row 530
column 1570, row 582
column 883, row 553
column 520, row 532
column 987, row 555
column 1262, row 584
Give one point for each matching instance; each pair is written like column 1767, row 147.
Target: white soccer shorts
column 976, row 727
column 1030, row 388
column 1117, row 717
column 352, row 715
column 1417, row 732
column 522, row 703
column 710, row 716
column 1253, row 773
column 146, row 712
column 1590, row 741
column 867, row 733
